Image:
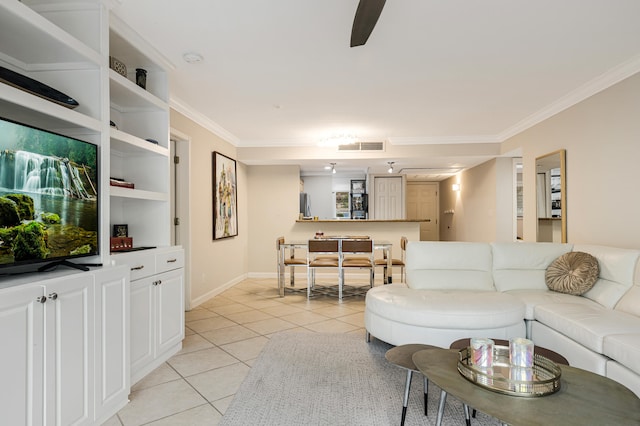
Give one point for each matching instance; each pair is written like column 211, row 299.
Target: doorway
column 180, row 204
column 422, row 204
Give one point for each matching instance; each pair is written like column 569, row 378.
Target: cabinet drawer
column 141, row 265
column 170, row 260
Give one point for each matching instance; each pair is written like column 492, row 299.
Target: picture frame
column 121, row 230
column 225, row 197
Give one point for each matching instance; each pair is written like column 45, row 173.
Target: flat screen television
column 49, row 210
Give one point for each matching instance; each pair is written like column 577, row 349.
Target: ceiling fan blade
column 365, row 20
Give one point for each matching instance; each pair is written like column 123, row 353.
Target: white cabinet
column 62, row 364
column 69, row 344
column 157, row 307
column 112, row 343
column 22, row 366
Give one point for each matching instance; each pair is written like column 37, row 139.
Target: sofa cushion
column 617, row 271
column 533, row 298
column 586, row 324
column 521, row 266
column 448, row 309
column 449, row 265
column 624, row 348
column 630, row 302
column 572, row 273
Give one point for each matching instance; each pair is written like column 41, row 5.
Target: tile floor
column 223, row 337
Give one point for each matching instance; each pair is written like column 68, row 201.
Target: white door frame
column 180, row 203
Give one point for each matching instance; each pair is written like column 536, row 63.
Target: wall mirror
column 551, row 196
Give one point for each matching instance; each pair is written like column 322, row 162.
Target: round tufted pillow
column 572, row 273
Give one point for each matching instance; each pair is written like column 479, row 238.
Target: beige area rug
column 333, row 379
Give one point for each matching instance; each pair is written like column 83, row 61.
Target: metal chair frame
column 284, row 261
column 395, row 262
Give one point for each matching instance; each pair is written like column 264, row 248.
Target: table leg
column 405, row 401
column 467, row 418
column 426, row 393
column 443, row 400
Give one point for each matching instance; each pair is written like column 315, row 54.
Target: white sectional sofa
column 456, row 290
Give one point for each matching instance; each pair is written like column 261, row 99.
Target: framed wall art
column 225, row 197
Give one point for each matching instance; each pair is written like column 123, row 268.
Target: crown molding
column 598, row 84
column 186, row 110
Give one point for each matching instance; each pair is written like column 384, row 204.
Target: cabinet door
column 69, row 328
column 111, row 341
column 170, row 316
column 142, row 326
column 21, row 369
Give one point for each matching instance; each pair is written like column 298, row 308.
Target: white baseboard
column 216, row 291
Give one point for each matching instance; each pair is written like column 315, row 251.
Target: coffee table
column 402, row 356
column 583, row 398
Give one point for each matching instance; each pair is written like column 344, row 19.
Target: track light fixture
column 333, row 168
column 390, row 169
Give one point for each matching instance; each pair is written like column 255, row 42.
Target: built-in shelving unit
column 140, row 143
column 66, row 44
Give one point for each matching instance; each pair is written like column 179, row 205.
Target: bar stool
column 322, row 254
column 394, row 262
column 284, row 261
column 356, row 254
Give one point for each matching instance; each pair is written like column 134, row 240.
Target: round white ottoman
column 399, row 315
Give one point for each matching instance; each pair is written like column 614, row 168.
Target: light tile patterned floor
column 223, row 337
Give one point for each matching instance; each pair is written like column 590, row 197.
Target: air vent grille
column 362, row 146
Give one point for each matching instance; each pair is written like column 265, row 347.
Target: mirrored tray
column 542, row 379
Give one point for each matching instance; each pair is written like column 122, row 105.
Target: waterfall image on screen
column 48, row 196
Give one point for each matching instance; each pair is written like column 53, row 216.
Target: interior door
column 422, row 204
column 388, row 198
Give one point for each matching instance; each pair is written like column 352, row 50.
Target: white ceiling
column 281, row 72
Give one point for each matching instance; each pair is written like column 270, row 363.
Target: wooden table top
column 584, row 398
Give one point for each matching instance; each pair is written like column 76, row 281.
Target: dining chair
column 394, row 261
column 286, row 258
column 322, row 254
column 356, row 254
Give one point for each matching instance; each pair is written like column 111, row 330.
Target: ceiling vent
column 362, row 146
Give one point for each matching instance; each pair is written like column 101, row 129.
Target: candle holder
column 521, row 352
column 481, row 352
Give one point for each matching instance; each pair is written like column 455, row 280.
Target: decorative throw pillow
column 572, row 273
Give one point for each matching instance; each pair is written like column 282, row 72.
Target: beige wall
column 483, row 208
column 214, row 264
column 474, row 206
column 602, row 139
column 273, row 205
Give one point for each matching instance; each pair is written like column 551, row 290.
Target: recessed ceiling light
column 192, row 57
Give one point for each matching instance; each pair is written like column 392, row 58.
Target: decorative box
column 117, row 66
column 121, row 243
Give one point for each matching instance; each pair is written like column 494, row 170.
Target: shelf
column 19, row 105
column 127, row 96
column 32, row 42
column 129, row 144
column 138, row 194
